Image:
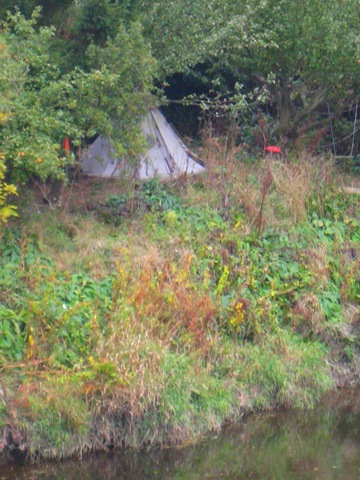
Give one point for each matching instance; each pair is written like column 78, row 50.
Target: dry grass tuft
column 297, row 182
column 294, row 185
column 307, row 315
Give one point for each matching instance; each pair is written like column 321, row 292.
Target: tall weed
column 298, row 182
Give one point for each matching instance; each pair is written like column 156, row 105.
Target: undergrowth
column 169, row 309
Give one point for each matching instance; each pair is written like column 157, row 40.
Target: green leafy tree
column 25, row 6
column 43, row 105
column 94, row 21
column 309, row 62
column 179, row 32
column 301, row 62
column 305, row 58
column 28, row 137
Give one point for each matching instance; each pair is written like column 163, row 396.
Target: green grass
column 166, row 312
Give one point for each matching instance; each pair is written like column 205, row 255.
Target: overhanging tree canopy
column 296, row 60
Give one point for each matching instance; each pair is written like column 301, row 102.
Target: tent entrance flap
column 165, row 157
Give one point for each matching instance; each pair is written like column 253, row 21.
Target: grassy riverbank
column 151, row 314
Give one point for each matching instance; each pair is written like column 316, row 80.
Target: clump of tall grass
column 298, row 181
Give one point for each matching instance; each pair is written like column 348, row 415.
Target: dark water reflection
column 323, row 444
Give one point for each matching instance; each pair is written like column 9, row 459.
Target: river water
column 321, row 444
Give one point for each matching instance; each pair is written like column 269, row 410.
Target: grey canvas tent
column 165, row 157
